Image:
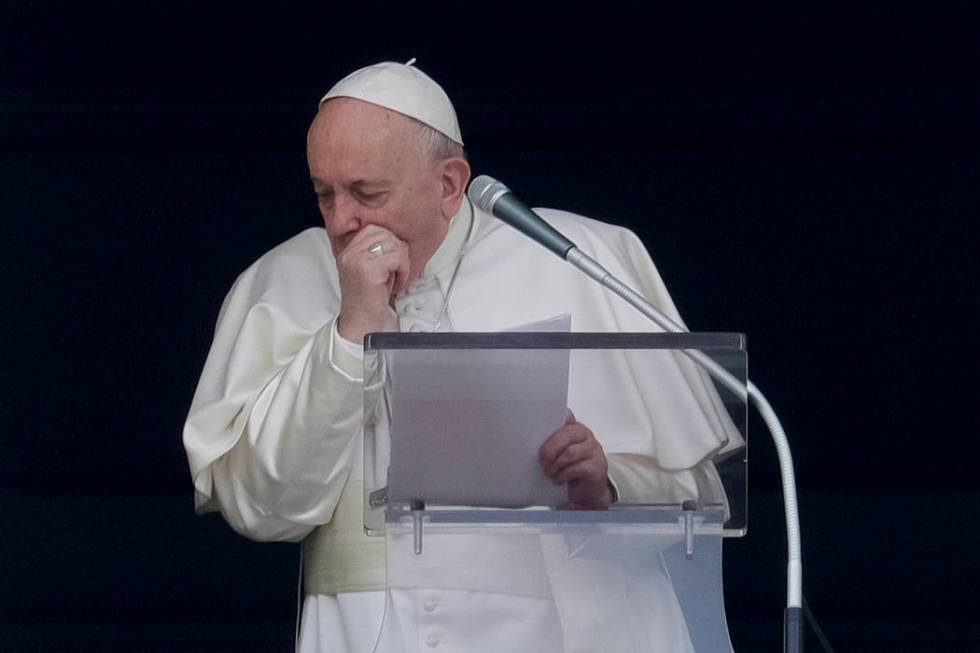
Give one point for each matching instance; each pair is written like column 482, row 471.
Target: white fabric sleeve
column 343, row 347
column 284, row 475
column 273, row 430
column 638, row 479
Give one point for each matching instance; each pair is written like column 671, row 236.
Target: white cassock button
column 432, row 641
column 431, row 605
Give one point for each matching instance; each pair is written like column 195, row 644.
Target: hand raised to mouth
column 373, row 268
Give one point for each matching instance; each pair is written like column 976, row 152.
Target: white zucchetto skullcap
column 402, row 88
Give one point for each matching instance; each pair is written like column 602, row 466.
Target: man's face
column 366, row 170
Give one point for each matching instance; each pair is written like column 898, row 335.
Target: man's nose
column 345, row 215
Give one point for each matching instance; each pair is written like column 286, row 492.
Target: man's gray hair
column 435, row 145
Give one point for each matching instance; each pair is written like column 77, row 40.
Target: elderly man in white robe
column 274, row 434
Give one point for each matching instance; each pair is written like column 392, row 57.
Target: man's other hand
column 572, row 455
column 373, row 267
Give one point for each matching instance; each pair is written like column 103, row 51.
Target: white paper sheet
column 467, row 423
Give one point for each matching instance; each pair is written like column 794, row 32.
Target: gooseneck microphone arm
column 495, row 198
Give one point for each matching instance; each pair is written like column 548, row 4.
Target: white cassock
column 274, row 433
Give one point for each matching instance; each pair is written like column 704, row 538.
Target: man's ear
column 454, row 175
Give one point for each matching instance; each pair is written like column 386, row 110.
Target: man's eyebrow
column 372, row 184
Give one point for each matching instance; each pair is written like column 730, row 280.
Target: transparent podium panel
column 458, row 419
column 638, row 580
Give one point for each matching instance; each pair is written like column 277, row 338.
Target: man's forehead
column 354, row 141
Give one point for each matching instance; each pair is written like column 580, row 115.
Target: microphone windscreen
column 485, row 191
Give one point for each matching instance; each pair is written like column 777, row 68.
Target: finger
column 366, row 242
column 575, row 453
column 367, row 279
column 402, row 272
column 569, row 456
column 379, row 246
column 387, row 266
column 359, row 254
column 370, row 234
column 559, row 440
column 589, row 471
column 553, row 446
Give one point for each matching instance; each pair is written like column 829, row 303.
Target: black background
column 805, row 174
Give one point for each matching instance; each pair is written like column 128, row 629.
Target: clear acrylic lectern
column 484, row 554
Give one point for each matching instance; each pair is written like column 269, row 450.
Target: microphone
column 493, row 197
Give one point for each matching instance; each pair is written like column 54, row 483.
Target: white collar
column 446, row 255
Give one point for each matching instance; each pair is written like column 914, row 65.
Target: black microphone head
column 485, row 191
column 491, row 196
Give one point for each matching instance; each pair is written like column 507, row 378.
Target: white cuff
column 346, row 357
column 613, row 488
